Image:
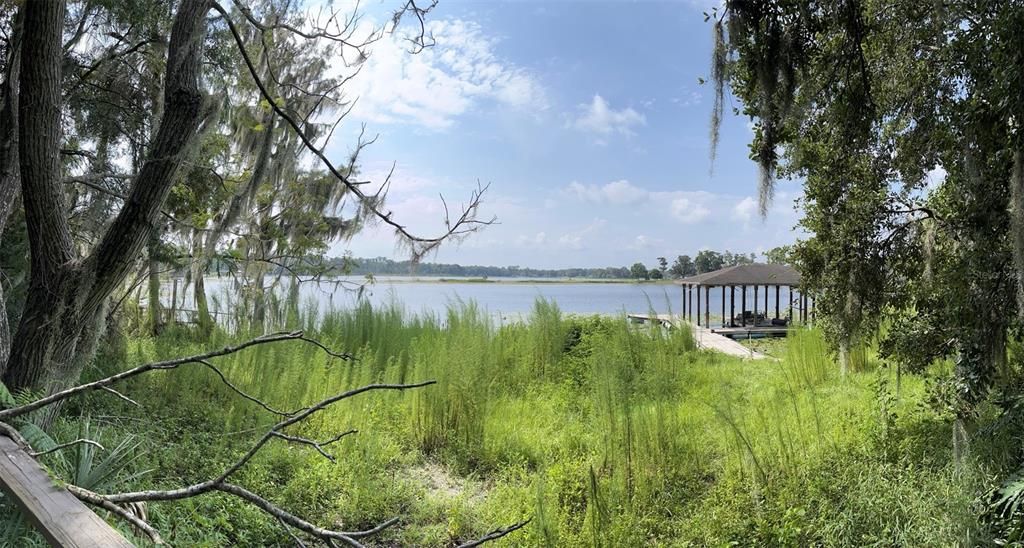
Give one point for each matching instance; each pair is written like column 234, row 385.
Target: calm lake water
column 507, row 299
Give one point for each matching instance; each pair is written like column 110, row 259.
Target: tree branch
column 420, row 245
column 495, row 534
column 59, row 447
column 7, row 414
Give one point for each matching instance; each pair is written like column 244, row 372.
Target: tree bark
column 155, row 316
column 9, row 170
column 203, row 318
column 67, row 293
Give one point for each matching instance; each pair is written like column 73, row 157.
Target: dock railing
column 62, row 519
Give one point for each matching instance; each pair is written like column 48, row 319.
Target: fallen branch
column 495, row 534
column 37, row 454
column 94, row 499
column 114, row 502
column 13, row 412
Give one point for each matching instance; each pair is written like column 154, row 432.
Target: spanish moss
column 718, row 80
column 1017, row 220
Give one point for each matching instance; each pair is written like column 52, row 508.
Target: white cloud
column 686, row 207
column 601, row 119
column 745, row 209
column 539, row 239
column 688, row 211
column 620, row 192
column 432, row 88
column 575, row 239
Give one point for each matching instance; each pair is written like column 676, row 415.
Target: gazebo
column 743, row 277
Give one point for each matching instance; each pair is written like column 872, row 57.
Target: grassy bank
column 603, row 434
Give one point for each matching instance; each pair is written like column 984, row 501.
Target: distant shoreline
column 450, row 280
column 410, row 279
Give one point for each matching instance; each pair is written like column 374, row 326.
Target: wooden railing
column 61, row 518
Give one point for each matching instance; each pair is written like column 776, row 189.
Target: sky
column 586, row 118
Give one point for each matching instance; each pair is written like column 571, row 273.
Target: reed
column 607, row 434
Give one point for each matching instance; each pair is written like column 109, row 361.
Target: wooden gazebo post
column 743, row 306
column 698, row 306
column 732, row 305
column 791, row 318
column 776, row 302
column 765, row 300
column 723, row 306
column 689, row 302
column 755, row 304
column 683, row 313
column 707, row 306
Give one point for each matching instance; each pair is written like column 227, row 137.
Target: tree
column 682, row 267
column 707, row 261
column 76, row 266
column 639, row 272
column 68, row 291
column 655, row 274
column 779, row 255
column 863, row 101
column 662, row 265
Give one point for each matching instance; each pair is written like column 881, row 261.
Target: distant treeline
column 382, row 266
column 705, row 261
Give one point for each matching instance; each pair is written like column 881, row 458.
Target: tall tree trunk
column 9, row 170
column 67, row 293
column 259, row 303
column 155, row 311
column 203, row 318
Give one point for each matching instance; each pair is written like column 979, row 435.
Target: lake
column 506, row 299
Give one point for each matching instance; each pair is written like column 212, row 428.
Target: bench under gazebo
column 743, row 279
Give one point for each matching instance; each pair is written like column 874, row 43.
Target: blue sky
column 586, row 118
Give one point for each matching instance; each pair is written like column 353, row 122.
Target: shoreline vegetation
column 600, row 432
column 454, row 280
column 662, row 269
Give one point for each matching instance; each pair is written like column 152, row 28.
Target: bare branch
column 166, row 364
column 65, row 446
column 342, row 36
column 243, row 394
column 347, row 537
column 318, row 445
column 94, row 499
column 220, row 483
column 420, row 245
column 120, row 395
column 495, row 534
column 423, row 39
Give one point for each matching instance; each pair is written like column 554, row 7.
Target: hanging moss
column 1017, row 220
column 718, row 65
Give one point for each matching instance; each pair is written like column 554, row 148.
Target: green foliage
column 604, row 433
column 868, row 103
column 638, row 271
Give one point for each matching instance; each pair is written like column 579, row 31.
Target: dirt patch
column 440, row 483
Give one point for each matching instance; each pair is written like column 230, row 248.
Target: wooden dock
column 704, row 337
column 752, row 331
column 62, row 519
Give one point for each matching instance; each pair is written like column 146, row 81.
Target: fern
column 1008, row 497
column 6, row 398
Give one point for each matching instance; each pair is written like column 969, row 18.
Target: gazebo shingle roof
column 747, row 274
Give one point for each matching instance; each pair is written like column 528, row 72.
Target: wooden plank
column 62, row 519
column 704, row 337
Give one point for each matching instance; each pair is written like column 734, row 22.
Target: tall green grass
column 606, row 434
